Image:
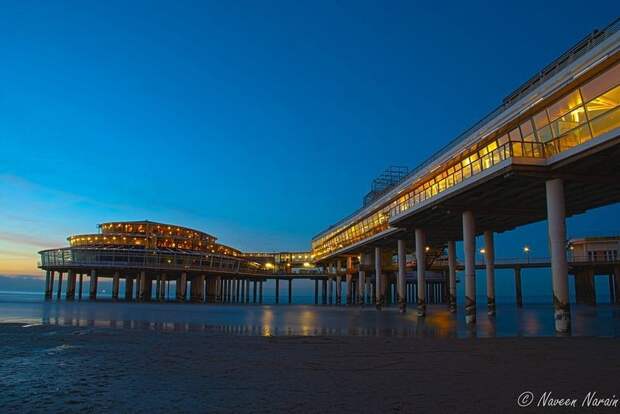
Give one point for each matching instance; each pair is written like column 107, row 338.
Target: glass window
column 564, row 105
column 515, row 135
column 487, row 161
column 545, row 134
column 601, row 83
column 575, row 137
column 475, row 167
column 541, row 119
column 569, row 121
column 606, row 122
column 604, row 103
column 502, row 140
column 526, row 128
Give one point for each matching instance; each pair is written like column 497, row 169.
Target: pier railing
column 138, row 259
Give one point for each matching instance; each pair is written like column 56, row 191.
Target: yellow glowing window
column 545, row 134
column 606, row 122
column 564, row 105
column 486, row 162
column 569, row 121
column 604, row 103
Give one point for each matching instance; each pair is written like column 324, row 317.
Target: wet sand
column 46, row 368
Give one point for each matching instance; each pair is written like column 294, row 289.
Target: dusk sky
column 259, row 122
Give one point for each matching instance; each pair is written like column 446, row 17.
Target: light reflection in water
column 268, row 320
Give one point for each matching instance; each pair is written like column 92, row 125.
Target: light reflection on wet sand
column 270, row 320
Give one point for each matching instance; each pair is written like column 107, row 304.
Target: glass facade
column 584, row 113
column 150, row 235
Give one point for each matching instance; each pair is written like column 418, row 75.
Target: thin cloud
column 27, row 240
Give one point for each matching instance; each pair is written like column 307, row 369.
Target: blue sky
column 259, row 122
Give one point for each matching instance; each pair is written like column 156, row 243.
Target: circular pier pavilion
column 140, row 253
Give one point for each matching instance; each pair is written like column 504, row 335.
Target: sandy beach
column 45, row 368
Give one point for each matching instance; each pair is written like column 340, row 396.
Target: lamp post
column 482, row 252
column 526, row 250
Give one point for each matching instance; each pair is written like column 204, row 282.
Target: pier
column 548, row 152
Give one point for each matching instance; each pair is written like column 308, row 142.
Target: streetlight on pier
column 526, row 250
column 482, row 252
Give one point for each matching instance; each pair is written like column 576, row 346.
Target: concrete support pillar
column 260, row 292
column 51, row 284
column 93, row 285
column 290, row 291
column 157, row 286
column 330, row 290
column 202, row 288
column 128, row 288
column 316, row 291
column 469, row 251
column 142, row 291
column 400, row 280
column 338, row 283
column 556, row 221
column 220, row 289
column 518, row 292
column 379, row 298
column 182, row 287
column 361, row 280
column 489, row 261
column 115, row 285
column 162, row 292
column 349, row 280
column 71, row 276
column 324, row 291
column 612, row 292
column 197, row 292
column 59, row 285
column 452, row 276
column 420, row 258
column 277, row 290
column 238, row 290
column 81, row 281
column 247, row 290
column 48, row 292
column 254, row 282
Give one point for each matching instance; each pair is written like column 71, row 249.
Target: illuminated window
column 569, row 121
column 606, row 122
column 545, row 134
column 564, row 105
column 604, row 103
